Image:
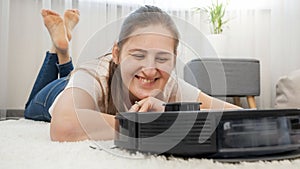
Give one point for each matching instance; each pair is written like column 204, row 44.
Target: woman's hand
column 148, row 104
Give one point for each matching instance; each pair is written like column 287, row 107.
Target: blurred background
column 267, row 30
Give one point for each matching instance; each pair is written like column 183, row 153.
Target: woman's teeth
column 147, row 80
column 144, row 80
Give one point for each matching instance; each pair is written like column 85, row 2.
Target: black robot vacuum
column 185, row 130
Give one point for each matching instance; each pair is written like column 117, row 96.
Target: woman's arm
column 74, row 118
column 209, row 102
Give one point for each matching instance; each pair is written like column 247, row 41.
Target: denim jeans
column 46, row 88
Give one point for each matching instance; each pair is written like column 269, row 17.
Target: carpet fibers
column 26, row 144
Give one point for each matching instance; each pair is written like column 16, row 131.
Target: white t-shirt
column 84, row 78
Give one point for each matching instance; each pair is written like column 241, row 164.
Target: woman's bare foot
column 56, row 28
column 71, row 18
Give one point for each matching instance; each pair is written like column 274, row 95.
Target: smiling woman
column 135, row 76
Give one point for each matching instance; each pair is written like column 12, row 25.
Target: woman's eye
column 161, row 60
column 138, row 56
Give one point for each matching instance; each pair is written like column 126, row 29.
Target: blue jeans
column 46, row 88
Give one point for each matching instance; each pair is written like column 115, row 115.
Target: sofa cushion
column 288, row 91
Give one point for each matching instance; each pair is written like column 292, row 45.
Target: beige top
column 175, row 90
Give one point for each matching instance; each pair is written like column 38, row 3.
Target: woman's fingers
column 134, row 108
column 149, row 104
column 137, row 105
column 146, row 106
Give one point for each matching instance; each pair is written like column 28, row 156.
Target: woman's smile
column 145, row 82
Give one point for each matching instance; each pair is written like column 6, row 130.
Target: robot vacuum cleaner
column 185, row 130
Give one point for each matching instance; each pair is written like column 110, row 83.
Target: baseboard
column 12, row 114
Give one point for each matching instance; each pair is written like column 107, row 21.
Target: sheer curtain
column 285, row 39
column 266, row 32
column 4, row 20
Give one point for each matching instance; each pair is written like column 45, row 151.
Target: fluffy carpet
column 26, row 144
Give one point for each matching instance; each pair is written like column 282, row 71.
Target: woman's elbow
column 62, row 130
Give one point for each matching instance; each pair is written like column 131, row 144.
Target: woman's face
column 147, row 60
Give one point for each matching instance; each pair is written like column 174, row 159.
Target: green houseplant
column 216, row 13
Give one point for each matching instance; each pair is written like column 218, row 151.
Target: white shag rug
column 26, row 144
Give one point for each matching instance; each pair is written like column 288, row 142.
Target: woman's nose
column 149, row 67
column 149, row 71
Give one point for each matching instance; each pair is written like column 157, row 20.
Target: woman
column 136, row 76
